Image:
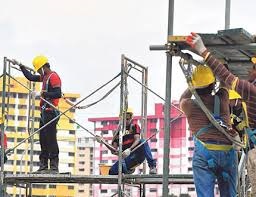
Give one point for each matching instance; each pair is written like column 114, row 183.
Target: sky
column 84, row 40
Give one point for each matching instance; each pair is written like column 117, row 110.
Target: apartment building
column 17, row 99
column 85, row 164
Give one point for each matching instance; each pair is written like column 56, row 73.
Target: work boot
column 43, row 165
column 54, row 165
column 152, row 170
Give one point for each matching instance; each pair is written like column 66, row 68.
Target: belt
column 215, row 146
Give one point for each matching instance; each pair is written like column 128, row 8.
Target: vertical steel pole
column 227, row 14
column 123, row 124
column 167, row 106
column 31, row 127
column 2, row 186
column 144, row 114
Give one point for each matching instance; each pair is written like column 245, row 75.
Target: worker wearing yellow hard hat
column 49, row 100
column 131, row 140
column 214, row 156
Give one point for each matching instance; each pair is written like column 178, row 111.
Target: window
column 22, row 95
column 153, row 150
column 22, row 106
column 104, row 132
column 81, row 155
column 153, row 190
column 104, row 161
column 70, row 187
column 39, row 186
column 20, row 151
column 21, row 129
column 81, row 148
column 153, row 140
column 72, row 154
column 81, row 191
column 104, row 191
column 104, row 123
column 189, row 158
column 104, row 152
column 71, row 132
column 81, row 169
column 191, row 189
column 10, row 139
column 10, row 162
column 52, row 186
column 71, row 165
column 22, row 118
column 190, row 148
column 81, row 162
column 153, row 120
column 20, row 139
column 190, row 169
column 18, row 162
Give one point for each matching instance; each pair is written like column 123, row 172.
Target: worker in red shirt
column 51, row 91
column 131, row 139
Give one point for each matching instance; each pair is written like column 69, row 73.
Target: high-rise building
column 85, row 164
column 181, row 147
column 17, row 98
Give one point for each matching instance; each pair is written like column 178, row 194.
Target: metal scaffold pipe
column 167, row 106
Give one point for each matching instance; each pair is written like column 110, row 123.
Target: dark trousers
column 48, row 136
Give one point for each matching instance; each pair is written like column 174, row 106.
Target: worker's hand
column 35, row 94
column 98, row 138
column 126, row 153
column 236, row 147
column 195, row 41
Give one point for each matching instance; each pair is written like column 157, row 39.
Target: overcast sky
column 84, row 40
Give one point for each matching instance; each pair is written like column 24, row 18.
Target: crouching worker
column 214, row 156
column 131, row 139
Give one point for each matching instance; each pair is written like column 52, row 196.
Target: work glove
column 98, row 138
column 35, row 94
column 236, row 147
column 126, row 153
column 195, row 41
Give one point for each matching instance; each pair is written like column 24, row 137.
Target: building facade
column 85, row 164
column 181, row 148
column 17, row 98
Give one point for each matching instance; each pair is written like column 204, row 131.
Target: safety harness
column 44, row 107
column 205, row 148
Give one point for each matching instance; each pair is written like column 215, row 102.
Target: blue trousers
column 135, row 158
column 205, row 177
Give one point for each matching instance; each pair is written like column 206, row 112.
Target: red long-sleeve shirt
column 246, row 89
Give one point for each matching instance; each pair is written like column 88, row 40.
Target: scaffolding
column 242, row 54
column 26, row 180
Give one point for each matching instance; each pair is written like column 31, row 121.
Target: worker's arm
column 55, row 93
column 136, row 141
column 243, row 87
column 30, row 76
column 186, row 94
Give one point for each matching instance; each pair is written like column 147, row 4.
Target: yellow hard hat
column 253, row 60
column 129, row 110
column 202, row 76
column 39, row 61
column 233, row 95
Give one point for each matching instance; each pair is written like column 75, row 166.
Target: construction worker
column 131, row 139
column 214, row 156
column 51, row 91
column 238, row 112
column 245, row 88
